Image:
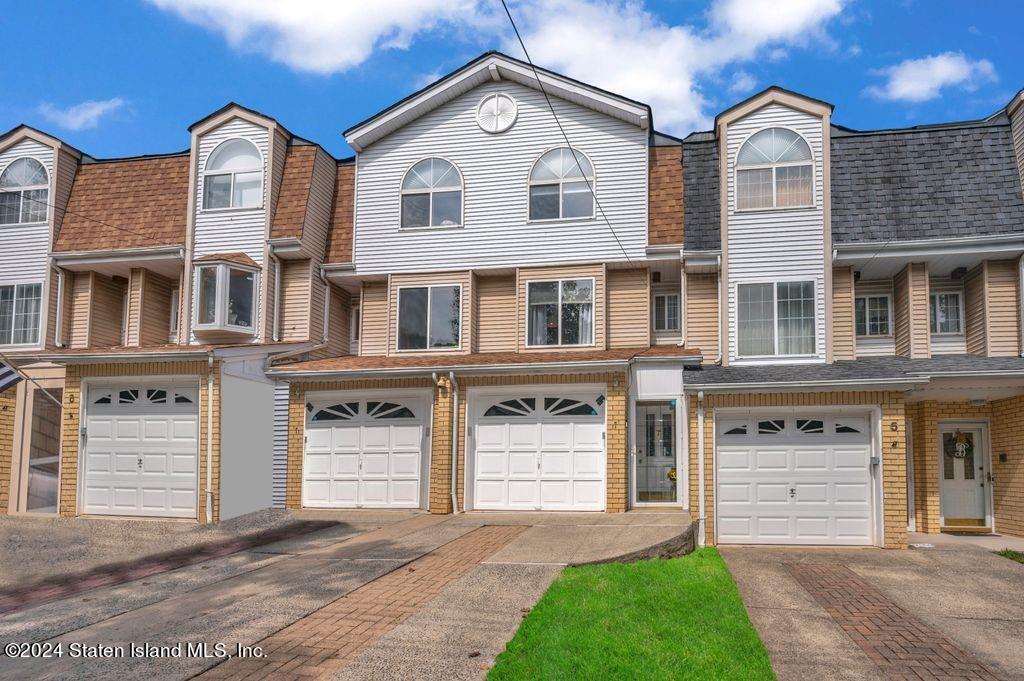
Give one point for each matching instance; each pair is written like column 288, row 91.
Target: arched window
column 432, row 195
column 233, row 176
column 24, row 192
column 774, row 169
column 560, row 186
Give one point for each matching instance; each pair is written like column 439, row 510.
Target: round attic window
column 496, row 113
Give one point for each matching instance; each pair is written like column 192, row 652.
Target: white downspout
column 682, row 304
column 1020, row 311
column 455, row 441
column 209, row 438
column 277, row 295
column 722, row 337
column 58, row 326
column 327, row 306
column 701, row 538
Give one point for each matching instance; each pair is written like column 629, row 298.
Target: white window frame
column 402, row 192
column 933, row 301
column 654, row 313
column 772, row 166
column 593, row 315
column 220, row 311
column 20, row 191
column 216, row 173
column 591, row 182
column 429, row 287
column 775, row 316
column 888, row 307
column 14, row 313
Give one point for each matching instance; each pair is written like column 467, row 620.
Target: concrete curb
column 679, row 545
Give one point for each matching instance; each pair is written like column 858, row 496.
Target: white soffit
column 884, row 260
column 493, row 67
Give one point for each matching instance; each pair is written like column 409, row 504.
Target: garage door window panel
column 560, row 312
column 429, row 317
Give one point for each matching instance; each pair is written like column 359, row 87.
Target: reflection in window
column 560, row 186
column 560, row 312
column 233, row 176
column 429, row 317
column 24, row 192
column 432, row 195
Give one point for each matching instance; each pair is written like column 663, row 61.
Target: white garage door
column 539, row 451
column 794, row 479
column 141, row 451
column 364, row 452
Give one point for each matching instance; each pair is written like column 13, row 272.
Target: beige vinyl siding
column 463, row 278
column 107, row 312
column 51, row 311
column 596, row 272
column 80, row 302
column 702, row 314
column 278, row 154
column 296, row 310
column 629, row 308
column 910, row 311
column 901, row 311
column 1017, row 128
column 496, row 314
column 1003, row 308
column 843, row 315
column 64, row 178
column 267, row 284
column 373, row 317
column 974, row 311
column 877, row 346
column 135, row 284
column 155, row 320
column 318, row 208
column 339, row 330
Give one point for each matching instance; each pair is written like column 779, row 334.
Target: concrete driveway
column 377, row 596
column 875, row 614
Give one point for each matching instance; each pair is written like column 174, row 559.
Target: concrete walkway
column 250, row 596
column 958, row 591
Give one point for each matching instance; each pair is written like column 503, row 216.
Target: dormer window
column 432, row 195
column 225, row 298
column 24, row 192
column 561, row 185
column 234, row 176
column 774, row 169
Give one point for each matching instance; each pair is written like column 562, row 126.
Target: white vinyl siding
column 796, row 232
column 495, row 170
column 23, row 248
column 280, row 475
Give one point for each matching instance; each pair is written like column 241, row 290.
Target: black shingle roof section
column 878, row 369
column 700, row 195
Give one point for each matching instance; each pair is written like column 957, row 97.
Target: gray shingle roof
column 878, row 369
column 700, row 194
column 919, row 183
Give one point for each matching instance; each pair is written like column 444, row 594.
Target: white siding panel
column 796, row 247
column 495, row 171
column 280, row 474
column 23, row 248
column 231, row 231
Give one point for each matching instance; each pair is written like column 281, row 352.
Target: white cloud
column 82, row 116
column 742, row 83
column 615, row 44
column 918, row 80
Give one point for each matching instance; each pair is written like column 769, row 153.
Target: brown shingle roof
column 136, row 203
column 237, row 258
column 339, row 238
column 665, row 196
column 480, row 359
column 294, row 197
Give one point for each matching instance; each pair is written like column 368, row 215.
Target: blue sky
column 126, row 77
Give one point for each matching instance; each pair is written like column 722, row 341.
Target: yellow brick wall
column 1008, row 439
column 894, row 467
column 7, row 410
column 72, row 402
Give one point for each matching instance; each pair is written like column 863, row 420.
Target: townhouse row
column 796, row 332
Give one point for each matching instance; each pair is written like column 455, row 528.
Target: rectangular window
column 225, row 298
column 666, row 312
column 872, row 316
column 560, row 312
column 776, row 318
column 429, row 317
column 946, row 313
column 19, row 314
column 775, row 187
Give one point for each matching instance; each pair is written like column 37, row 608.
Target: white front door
column 654, row 461
column 364, row 452
column 962, row 476
column 539, row 450
column 141, row 451
column 794, row 478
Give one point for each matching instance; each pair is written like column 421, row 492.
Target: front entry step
column 965, row 529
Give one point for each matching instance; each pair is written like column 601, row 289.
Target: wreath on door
column 960, row 445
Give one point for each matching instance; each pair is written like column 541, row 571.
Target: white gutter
column 327, row 307
column 455, row 440
column 209, row 439
column 86, row 358
column 923, row 247
column 114, row 256
column 58, row 326
column 701, row 538
column 853, row 382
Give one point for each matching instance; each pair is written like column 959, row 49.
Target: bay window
column 776, row 318
column 873, row 316
column 946, row 313
column 429, row 317
column 19, row 314
column 225, row 298
column 560, row 312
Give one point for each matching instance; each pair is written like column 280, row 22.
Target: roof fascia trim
column 773, row 95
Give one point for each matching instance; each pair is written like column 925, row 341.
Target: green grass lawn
column 680, row 618
column 1012, row 555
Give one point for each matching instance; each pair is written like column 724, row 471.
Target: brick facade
column 8, row 402
column 894, row 461
column 1008, row 439
column 69, row 459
